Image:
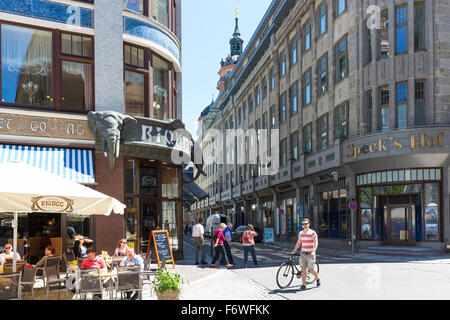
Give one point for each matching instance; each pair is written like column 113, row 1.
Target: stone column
column 108, row 26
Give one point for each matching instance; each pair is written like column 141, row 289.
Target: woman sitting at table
column 80, row 246
column 121, row 249
column 49, row 252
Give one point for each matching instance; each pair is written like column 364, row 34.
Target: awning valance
column 73, row 164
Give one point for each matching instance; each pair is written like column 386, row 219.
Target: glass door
column 400, row 225
column 150, row 221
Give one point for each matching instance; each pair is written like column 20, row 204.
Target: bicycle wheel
column 285, row 275
column 310, row 278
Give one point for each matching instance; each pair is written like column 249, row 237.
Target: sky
column 207, row 27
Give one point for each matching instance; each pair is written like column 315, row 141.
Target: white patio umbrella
column 26, row 189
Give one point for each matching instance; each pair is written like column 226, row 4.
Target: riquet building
column 91, row 91
column 359, row 93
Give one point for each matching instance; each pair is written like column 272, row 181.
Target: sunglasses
column 7, row 247
column 304, row 224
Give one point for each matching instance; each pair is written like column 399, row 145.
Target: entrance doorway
column 150, row 222
column 400, row 217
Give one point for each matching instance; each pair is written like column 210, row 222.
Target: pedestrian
column 248, row 243
column 218, row 246
column 186, row 229
column 199, row 241
column 227, row 243
column 190, row 229
column 309, row 241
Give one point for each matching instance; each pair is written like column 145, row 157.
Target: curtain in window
column 26, row 66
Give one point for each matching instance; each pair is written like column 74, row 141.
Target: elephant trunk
column 111, row 148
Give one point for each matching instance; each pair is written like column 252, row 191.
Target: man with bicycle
column 307, row 238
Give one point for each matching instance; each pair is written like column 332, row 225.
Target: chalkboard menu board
column 162, row 246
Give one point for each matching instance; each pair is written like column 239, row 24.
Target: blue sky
column 207, row 27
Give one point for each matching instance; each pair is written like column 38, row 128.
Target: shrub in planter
column 168, row 285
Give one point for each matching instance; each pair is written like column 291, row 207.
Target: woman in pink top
column 121, row 249
column 219, row 248
column 248, row 243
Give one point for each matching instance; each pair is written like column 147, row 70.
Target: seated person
column 93, row 261
column 121, row 249
column 49, row 252
column 132, row 260
column 8, row 254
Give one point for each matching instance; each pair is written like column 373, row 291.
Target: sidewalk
column 203, row 282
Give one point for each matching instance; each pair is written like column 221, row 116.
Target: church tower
column 236, row 48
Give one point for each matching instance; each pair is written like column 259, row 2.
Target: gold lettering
column 373, row 148
column 350, row 151
column 413, row 141
column 440, row 140
column 398, row 145
column 357, row 152
column 422, row 140
column 431, row 142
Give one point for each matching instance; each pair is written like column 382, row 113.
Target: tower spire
column 236, row 42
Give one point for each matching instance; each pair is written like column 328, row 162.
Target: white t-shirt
column 5, row 256
column 197, row 230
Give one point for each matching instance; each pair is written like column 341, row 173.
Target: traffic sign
column 353, row 205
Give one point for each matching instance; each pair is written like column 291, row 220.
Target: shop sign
column 149, row 181
column 6, row 223
column 268, row 235
column 25, row 125
column 416, row 141
column 52, row 204
column 165, row 137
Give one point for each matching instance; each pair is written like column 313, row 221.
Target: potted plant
column 168, row 285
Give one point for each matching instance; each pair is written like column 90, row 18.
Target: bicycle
column 285, row 273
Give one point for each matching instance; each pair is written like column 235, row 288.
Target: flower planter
column 168, row 295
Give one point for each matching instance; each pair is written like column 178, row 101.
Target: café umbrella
column 27, row 189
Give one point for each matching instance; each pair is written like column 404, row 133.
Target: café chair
column 88, row 281
column 10, row 286
column 50, row 263
column 129, row 279
column 28, row 281
column 52, row 278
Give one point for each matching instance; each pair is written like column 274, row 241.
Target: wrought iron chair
column 10, row 286
column 28, row 281
column 88, row 281
column 129, row 280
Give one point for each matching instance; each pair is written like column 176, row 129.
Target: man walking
column 199, row 241
column 307, row 238
column 227, row 243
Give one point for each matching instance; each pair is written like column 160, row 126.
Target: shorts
column 307, row 260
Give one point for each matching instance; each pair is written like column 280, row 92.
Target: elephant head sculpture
column 107, row 127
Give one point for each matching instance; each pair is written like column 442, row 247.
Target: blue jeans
column 252, row 251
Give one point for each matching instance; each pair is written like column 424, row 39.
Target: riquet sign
column 52, row 204
column 415, row 141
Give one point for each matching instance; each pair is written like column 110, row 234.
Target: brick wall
column 108, row 230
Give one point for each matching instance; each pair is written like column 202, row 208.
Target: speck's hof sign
column 39, row 126
column 396, row 144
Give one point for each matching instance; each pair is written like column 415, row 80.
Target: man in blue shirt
column 227, row 243
column 132, row 260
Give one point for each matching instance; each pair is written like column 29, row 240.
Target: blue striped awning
column 74, row 164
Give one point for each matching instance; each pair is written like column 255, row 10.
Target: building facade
column 91, row 90
column 358, row 92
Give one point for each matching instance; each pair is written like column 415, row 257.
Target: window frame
column 293, row 147
column 307, row 138
column 283, row 66
column 322, row 129
column 337, row 2
column 398, row 26
column 340, row 120
column 384, row 28
column 401, row 101
column 320, row 72
column 420, row 99
column 384, row 104
column 306, row 85
column 323, row 13
column 293, row 95
column 293, row 51
column 419, row 35
column 340, row 56
column 283, row 107
column 56, row 73
column 306, row 36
